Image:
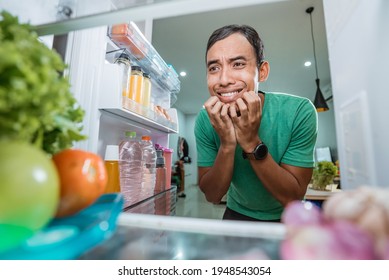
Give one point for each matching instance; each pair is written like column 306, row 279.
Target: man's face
column 231, row 68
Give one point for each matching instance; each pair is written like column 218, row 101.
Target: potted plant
column 323, row 174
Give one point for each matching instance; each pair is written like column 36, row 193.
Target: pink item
column 168, row 153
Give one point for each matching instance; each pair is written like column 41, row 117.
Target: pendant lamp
column 319, row 102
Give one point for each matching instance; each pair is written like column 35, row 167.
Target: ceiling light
column 307, row 63
column 182, row 73
column 319, row 102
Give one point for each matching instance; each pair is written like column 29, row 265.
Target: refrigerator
column 82, row 39
column 81, row 32
column 357, row 44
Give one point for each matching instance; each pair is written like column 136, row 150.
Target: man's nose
column 225, row 77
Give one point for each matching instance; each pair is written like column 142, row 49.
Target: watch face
column 260, row 151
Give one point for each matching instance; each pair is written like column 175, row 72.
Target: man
column 257, row 147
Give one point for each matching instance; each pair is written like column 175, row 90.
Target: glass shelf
column 158, row 203
column 157, row 122
column 152, row 237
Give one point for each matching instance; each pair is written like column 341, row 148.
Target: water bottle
column 130, row 168
column 149, row 171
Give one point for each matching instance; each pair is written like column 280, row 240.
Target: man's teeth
column 228, row 94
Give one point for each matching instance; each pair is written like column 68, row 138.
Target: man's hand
column 221, row 121
column 246, row 117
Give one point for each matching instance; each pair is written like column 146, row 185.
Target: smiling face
column 232, row 68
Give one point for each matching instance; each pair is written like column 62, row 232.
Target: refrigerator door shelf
column 111, row 100
column 159, row 123
column 128, row 37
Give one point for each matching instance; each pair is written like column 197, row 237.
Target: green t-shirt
column 288, row 128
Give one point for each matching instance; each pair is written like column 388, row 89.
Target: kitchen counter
column 151, row 237
column 312, row 194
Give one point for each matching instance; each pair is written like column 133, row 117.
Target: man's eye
column 239, row 64
column 213, row 69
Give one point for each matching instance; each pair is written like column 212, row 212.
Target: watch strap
column 248, row 155
column 260, row 152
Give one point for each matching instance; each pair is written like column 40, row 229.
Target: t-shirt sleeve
column 300, row 151
column 206, row 142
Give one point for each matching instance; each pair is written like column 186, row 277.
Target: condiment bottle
column 123, row 60
column 146, row 90
column 111, row 160
column 136, row 84
column 160, row 180
column 167, row 154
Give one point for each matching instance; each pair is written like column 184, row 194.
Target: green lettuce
column 36, row 104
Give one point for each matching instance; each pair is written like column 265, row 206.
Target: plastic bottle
column 160, row 181
column 168, row 154
column 130, row 168
column 146, row 90
column 111, row 161
column 123, row 60
column 136, row 84
column 149, row 167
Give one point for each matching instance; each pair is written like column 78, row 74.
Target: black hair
column 247, row 31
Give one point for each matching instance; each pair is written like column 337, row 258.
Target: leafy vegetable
column 36, row 104
column 323, row 174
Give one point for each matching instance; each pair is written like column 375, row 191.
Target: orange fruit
column 83, row 178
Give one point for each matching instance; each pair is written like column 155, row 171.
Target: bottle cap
column 136, row 68
column 124, row 55
column 146, row 137
column 130, row 133
column 111, row 152
column 167, row 150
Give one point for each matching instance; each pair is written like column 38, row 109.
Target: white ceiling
column 283, row 25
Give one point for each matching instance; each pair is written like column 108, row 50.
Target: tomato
column 83, row 179
column 29, row 191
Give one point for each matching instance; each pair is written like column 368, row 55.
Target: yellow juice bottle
column 112, row 165
column 136, row 84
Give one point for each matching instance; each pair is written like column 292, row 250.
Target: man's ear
column 264, row 70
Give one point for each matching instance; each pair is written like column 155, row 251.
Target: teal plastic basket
column 67, row 238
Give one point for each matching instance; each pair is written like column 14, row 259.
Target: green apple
column 29, row 191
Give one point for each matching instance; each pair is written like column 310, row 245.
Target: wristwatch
column 259, row 152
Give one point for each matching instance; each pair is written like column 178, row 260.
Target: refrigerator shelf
column 158, row 122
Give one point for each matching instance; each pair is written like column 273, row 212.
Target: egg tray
column 68, row 238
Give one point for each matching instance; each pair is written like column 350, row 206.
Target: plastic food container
column 70, row 237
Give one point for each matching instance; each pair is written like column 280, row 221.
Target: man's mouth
column 228, row 94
